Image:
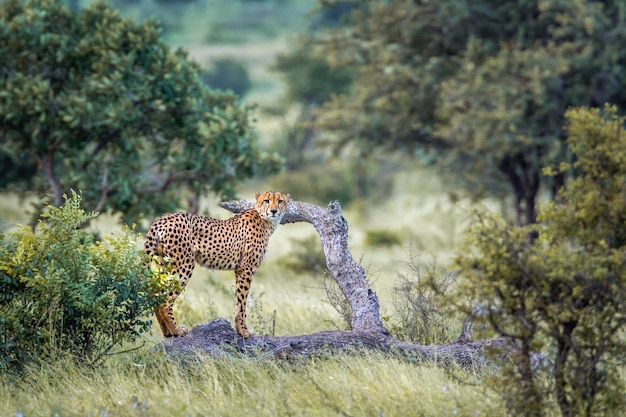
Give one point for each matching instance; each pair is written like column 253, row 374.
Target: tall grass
column 347, row 384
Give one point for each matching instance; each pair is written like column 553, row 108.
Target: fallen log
column 218, row 337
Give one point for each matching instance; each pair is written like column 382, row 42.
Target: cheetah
column 238, row 244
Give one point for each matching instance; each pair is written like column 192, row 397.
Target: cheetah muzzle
column 238, row 244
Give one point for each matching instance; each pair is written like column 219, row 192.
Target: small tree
column 95, row 102
column 64, row 294
column 564, row 292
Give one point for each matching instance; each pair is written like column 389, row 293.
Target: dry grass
column 348, row 384
column 14, row 210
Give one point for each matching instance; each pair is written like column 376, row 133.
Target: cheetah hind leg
column 166, row 320
column 164, row 271
column 165, row 312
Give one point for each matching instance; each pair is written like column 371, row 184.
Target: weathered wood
column 218, row 337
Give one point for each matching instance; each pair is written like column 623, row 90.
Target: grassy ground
column 282, row 302
column 150, row 385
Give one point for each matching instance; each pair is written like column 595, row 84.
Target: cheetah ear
column 288, row 196
column 257, row 195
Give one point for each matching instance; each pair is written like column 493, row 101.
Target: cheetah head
column 271, row 205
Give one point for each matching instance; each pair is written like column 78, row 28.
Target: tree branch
column 46, row 162
column 104, row 192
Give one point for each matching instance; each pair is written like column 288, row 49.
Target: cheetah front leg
column 242, row 287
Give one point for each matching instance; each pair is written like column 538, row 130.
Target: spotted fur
column 237, row 244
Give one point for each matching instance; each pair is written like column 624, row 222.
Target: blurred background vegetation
column 346, row 94
column 407, row 112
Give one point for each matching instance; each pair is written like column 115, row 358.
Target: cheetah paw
column 179, row 332
column 182, row 330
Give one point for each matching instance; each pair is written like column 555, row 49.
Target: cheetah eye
column 266, row 201
column 280, row 201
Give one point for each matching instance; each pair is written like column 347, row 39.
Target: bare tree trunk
column 47, row 164
column 524, row 179
column 219, row 337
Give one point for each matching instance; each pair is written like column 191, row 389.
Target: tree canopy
column 101, row 104
column 478, row 86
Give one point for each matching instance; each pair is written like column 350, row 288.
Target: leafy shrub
column 380, row 237
column 227, row 74
column 64, row 294
column 563, row 291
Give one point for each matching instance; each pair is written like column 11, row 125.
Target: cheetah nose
column 273, row 211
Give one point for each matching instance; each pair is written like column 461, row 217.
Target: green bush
column 64, row 294
column 559, row 286
column 380, row 237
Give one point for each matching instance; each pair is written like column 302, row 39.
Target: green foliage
column 309, row 78
column 62, row 294
column 15, row 170
column 595, row 196
column 382, row 237
column 310, row 82
column 228, row 74
column 479, row 88
column 564, row 291
column 102, row 104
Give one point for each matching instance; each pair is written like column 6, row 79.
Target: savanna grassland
column 423, row 229
column 145, row 382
